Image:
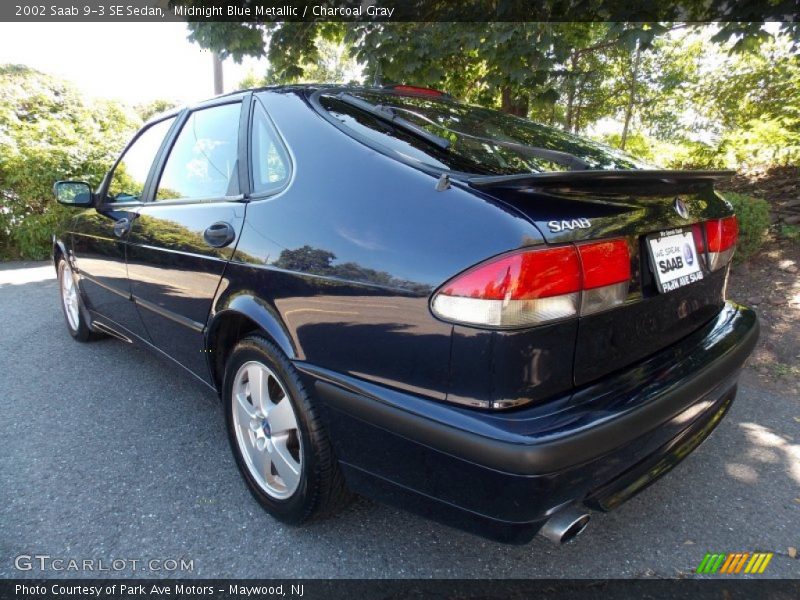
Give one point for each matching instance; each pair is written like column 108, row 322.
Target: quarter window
column 130, row 174
column 203, row 160
column 270, row 160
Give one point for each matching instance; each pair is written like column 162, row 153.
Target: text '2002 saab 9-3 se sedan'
column 486, row 321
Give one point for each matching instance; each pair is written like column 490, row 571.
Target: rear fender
column 257, row 310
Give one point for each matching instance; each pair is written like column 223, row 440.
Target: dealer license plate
column 673, row 257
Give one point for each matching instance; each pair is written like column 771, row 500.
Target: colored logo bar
column 734, row 562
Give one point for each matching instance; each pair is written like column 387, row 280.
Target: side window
column 203, row 160
column 270, row 160
column 127, row 181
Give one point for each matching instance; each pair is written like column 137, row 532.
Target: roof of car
column 283, row 88
column 313, row 87
column 302, row 88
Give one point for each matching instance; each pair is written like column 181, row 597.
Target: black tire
column 321, row 490
column 81, row 332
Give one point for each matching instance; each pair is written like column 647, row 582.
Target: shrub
column 49, row 131
column 753, row 216
column 790, row 232
column 33, row 236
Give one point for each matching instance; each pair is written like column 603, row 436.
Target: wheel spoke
column 258, row 392
column 288, row 468
column 281, row 417
column 245, row 410
column 261, row 462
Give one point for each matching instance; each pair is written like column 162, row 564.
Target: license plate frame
column 674, row 260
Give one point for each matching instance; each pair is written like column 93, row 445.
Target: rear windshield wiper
column 572, row 162
column 386, row 113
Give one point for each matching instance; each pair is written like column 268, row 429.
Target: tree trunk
column 570, row 103
column 571, row 92
column 631, row 97
column 513, row 105
column 578, row 103
column 218, row 84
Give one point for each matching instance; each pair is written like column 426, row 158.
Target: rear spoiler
column 593, row 179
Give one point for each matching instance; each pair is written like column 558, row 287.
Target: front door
column 99, row 235
column 181, row 241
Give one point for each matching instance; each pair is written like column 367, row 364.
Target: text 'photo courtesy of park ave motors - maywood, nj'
column 158, row 590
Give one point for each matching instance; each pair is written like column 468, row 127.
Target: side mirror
column 73, row 193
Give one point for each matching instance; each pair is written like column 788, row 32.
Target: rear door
column 183, row 238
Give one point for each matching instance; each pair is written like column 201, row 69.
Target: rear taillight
column 532, row 287
column 606, row 274
column 719, row 239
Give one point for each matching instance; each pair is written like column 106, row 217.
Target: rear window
column 478, row 137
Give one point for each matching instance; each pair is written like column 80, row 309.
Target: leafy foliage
column 49, row 132
column 790, row 232
column 151, row 109
column 677, row 95
column 729, row 109
column 683, row 95
column 753, row 216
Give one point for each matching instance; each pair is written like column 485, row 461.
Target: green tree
column 332, row 63
column 48, row 131
column 690, row 94
column 148, row 110
column 722, row 107
column 511, row 65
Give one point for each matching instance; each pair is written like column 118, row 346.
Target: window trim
column 260, row 195
column 163, row 155
column 102, row 191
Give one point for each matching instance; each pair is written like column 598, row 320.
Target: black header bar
column 400, row 10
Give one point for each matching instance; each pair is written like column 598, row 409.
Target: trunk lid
column 635, row 205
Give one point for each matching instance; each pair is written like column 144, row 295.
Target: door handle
column 219, row 234
column 122, row 227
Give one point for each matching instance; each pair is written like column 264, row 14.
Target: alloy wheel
column 266, row 430
column 69, row 296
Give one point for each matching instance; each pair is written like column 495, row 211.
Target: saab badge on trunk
column 680, row 207
column 569, row 225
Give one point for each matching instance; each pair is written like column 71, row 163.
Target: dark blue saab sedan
column 483, row 320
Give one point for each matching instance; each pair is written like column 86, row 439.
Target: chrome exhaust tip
column 565, row 525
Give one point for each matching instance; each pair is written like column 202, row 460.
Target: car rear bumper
column 503, row 474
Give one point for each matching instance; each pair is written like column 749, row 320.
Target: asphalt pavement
column 109, row 453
